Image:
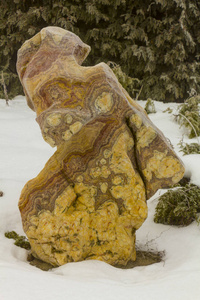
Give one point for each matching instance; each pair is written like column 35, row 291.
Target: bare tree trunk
column 4, row 88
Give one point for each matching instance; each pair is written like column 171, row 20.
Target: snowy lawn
column 23, row 153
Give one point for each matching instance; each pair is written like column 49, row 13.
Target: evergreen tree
column 155, row 42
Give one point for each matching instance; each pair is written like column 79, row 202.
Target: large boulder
column 90, row 198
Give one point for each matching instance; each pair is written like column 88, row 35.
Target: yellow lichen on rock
column 145, row 136
column 104, row 102
column 107, row 153
column 104, row 187
column 162, row 166
column 68, row 118
column 74, row 128
column 49, row 140
column 136, row 120
column 117, row 180
column 54, row 119
column 64, row 201
column 67, row 135
column 70, row 237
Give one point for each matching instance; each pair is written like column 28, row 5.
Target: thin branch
column 138, row 95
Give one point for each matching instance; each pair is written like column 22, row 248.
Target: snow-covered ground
column 23, row 153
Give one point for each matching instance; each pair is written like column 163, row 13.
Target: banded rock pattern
column 90, row 198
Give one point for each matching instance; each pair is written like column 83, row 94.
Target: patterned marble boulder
column 90, row 198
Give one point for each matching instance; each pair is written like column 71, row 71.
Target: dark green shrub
column 129, row 84
column 156, row 42
column 189, row 115
column 178, row 207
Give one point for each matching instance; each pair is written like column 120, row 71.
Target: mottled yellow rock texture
column 90, row 197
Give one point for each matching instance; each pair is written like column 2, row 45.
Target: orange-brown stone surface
column 90, row 197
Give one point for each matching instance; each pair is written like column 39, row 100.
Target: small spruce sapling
column 131, row 85
column 178, row 206
column 189, row 115
column 150, row 106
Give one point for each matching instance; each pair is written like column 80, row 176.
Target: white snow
column 23, row 153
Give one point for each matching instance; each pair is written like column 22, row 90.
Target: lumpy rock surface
column 90, row 198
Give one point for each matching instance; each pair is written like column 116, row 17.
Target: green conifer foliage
column 178, row 207
column 155, row 42
column 193, row 148
column 150, row 106
column 189, row 115
column 20, row 240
